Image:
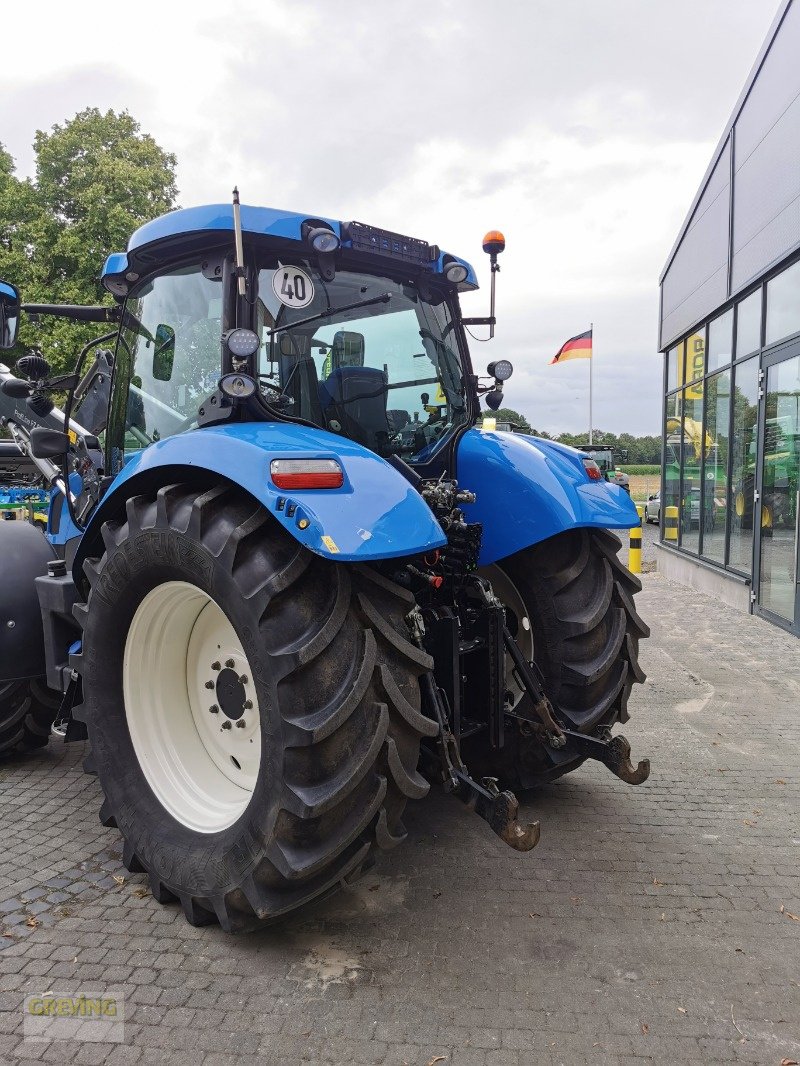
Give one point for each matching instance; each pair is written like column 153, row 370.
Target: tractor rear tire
column 27, row 711
column 322, row 653
column 585, row 632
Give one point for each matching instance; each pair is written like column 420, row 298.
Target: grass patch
column 640, row 468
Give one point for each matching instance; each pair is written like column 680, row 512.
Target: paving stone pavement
column 652, row 924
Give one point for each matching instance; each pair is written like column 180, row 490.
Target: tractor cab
column 341, row 326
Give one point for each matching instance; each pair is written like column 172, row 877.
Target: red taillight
column 593, row 471
column 306, row 473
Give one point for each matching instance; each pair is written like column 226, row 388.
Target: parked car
column 652, row 509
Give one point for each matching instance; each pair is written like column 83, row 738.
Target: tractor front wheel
column 253, row 709
column 569, row 603
column 27, row 711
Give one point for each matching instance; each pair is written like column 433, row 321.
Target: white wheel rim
column 518, row 622
column 183, row 659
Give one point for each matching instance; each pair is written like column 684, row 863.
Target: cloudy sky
column 581, row 128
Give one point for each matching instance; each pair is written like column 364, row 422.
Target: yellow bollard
column 635, row 548
column 671, row 524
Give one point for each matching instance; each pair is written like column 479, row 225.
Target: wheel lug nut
column 241, row 724
column 215, row 666
column 244, row 679
column 248, row 705
column 209, row 684
column 214, row 709
column 226, row 725
column 230, row 663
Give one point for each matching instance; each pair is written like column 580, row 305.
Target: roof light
column 456, row 272
column 593, row 471
column 323, row 240
column 306, row 473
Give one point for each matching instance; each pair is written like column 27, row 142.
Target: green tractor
column 780, row 480
column 684, row 454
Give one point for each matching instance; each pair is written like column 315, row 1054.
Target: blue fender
column 529, row 489
column 376, row 514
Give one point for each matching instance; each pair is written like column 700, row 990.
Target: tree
column 16, row 211
column 508, row 414
column 98, row 178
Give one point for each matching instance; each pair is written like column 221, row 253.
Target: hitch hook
column 614, row 753
column 618, row 760
column 499, row 809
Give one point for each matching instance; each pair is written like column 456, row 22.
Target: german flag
column 579, row 347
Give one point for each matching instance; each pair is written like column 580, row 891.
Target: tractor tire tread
column 586, row 643
column 348, row 687
column 27, row 711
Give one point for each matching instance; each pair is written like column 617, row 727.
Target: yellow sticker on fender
column 330, row 544
column 73, row 436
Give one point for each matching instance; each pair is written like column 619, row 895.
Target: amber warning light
column 306, row 473
column 494, row 242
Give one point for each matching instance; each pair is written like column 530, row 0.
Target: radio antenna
column 237, row 234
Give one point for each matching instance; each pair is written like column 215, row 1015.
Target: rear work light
column 306, row 473
column 593, row 471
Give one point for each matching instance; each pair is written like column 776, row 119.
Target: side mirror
column 347, row 349
column 48, row 443
column 295, row 346
column 164, row 352
column 9, row 315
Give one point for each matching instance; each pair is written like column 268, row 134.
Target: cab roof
column 154, row 241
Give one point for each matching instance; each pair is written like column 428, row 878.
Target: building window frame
column 759, row 355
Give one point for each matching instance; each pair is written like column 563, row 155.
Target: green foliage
column 641, row 450
column 98, row 178
column 639, row 468
column 644, row 453
column 16, row 215
column 508, row 414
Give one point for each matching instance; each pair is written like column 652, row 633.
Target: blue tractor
column 286, row 583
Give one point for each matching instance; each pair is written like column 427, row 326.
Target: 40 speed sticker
column 292, row 286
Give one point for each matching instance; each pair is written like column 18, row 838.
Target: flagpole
column 591, row 360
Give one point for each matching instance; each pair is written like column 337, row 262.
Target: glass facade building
column 730, row 334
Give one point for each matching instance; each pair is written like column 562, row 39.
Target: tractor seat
column 354, row 399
